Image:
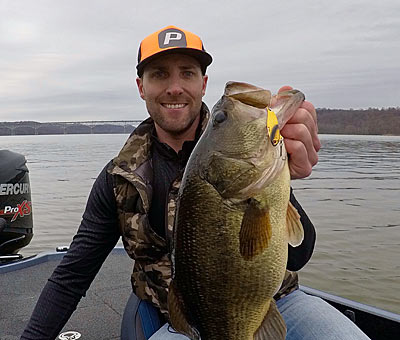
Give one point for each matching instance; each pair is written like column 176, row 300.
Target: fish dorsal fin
column 294, row 227
column 177, row 314
column 273, row 326
column 255, row 231
column 248, row 94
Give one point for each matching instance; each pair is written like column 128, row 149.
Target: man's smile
column 174, row 105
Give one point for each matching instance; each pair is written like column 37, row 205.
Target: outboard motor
column 16, row 226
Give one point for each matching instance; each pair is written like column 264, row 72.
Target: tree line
column 36, row 128
column 371, row 121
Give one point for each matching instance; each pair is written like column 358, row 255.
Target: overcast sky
column 68, row 60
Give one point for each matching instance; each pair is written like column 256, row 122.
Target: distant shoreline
column 29, row 128
column 370, row 121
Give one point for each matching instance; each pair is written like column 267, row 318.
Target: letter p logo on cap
column 172, row 37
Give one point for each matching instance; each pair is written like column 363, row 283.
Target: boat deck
column 98, row 315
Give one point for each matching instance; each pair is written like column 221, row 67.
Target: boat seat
column 140, row 320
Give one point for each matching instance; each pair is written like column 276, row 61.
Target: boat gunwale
column 351, row 304
column 39, row 259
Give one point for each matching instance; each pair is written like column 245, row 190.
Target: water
column 352, row 197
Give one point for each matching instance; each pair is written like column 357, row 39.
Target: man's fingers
column 301, row 139
column 285, row 88
column 297, row 154
column 304, row 117
column 300, row 133
column 311, row 109
column 306, row 104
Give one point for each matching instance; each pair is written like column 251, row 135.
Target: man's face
column 173, row 87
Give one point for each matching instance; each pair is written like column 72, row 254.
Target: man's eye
column 188, row 74
column 159, row 74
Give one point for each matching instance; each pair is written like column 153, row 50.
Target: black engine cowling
column 16, row 224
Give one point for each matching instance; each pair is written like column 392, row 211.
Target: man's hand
column 301, row 139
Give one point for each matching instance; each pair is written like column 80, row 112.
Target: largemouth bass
column 234, row 221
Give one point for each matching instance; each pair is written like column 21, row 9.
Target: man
column 135, row 194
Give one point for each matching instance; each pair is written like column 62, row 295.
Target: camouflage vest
column 132, row 172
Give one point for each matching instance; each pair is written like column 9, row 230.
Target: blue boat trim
column 352, row 304
column 38, row 259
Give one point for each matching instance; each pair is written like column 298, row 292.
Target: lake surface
column 352, row 197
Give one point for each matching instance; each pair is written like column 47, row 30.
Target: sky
column 74, row 60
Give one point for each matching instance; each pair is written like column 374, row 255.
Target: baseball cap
column 168, row 40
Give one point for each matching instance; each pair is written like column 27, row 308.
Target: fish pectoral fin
column 273, row 326
column 255, row 231
column 177, row 315
column 294, row 227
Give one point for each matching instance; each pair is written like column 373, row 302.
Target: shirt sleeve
column 299, row 256
column 97, row 235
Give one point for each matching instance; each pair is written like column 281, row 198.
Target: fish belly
column 227, row 296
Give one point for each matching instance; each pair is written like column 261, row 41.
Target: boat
column 16, row 225
column 377, row 323
column 109, row 309
column 99, row 313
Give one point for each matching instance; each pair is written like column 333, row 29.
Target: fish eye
column 220, row 117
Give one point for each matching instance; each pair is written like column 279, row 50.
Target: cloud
column 76, row 60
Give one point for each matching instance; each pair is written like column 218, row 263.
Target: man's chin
column 177, row 129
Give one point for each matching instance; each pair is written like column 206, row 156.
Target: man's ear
column 205, row 79
column 139, row 83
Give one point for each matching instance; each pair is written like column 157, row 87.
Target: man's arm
column 96, row 237
column 299, row 256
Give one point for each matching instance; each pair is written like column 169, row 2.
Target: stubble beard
column 172, row 126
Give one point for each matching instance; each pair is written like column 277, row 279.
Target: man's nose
column 175, row 87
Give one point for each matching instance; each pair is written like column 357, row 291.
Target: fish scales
column 216, row 244
column 240, row 138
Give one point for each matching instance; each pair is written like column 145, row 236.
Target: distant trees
column 371, row 121
column 35, row 128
